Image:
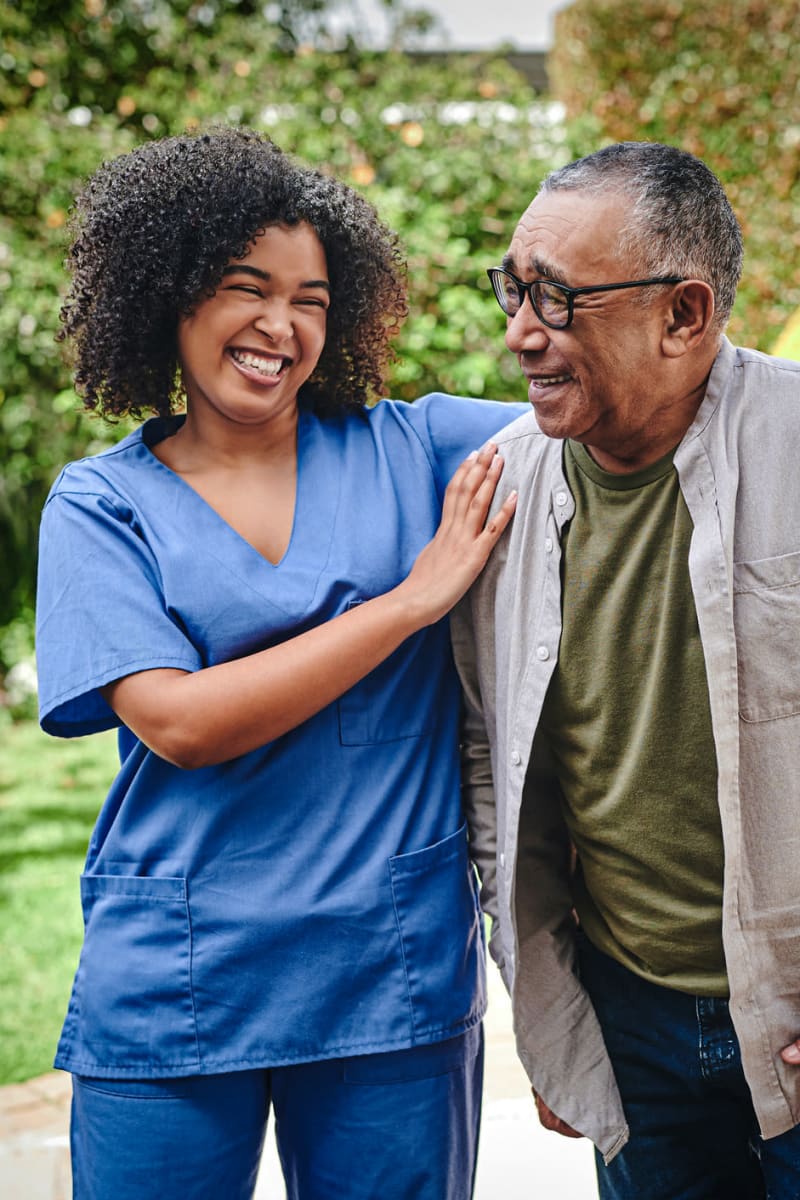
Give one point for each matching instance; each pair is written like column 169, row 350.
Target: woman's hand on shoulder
column 466, row 536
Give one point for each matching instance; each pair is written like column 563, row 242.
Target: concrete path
column 518, row 1159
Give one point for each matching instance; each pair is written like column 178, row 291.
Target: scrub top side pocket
column 441, row 933
column 132, row 1009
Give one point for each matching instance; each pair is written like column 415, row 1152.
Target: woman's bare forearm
column 205, row 717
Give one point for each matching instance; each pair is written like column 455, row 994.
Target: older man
column 631, row 662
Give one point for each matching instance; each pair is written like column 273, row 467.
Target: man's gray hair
column 681, row 221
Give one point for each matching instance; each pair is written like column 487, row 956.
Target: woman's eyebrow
column 245, row 269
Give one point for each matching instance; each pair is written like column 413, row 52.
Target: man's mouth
column 544, row 381
column 263, row 364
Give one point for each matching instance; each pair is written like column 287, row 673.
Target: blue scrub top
column 313, row 898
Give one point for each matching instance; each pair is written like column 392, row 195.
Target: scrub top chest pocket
column 394, row 700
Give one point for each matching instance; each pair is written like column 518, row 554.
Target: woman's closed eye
column 244, row 287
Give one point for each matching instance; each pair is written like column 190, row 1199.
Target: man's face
column 603, row 381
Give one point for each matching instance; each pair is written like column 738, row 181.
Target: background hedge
column 721, row 78
column 449, row 154
column 449, row 150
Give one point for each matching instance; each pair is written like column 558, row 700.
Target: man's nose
column 525, row 331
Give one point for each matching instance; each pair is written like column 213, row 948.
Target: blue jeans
column 401, row 1126
column 693, row 1132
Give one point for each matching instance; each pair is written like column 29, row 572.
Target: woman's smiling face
column 246, row 351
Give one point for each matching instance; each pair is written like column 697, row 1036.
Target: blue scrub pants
column 396, row 1126
column 693, row 1131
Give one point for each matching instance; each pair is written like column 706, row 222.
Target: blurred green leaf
column 719, row 78
column 449, row 151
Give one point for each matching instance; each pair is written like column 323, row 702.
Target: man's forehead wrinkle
column 541, row 229
column 527, row 221
column 575, row 238
column 522, row 250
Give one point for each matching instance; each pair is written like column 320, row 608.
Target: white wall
column 468, row 24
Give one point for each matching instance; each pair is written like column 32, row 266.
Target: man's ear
column 690, row 315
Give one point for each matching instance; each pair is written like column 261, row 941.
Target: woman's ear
column 689, row 318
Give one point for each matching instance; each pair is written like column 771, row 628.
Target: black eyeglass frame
column 527, row 290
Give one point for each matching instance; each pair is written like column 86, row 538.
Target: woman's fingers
column 472, row 487
column 494, row 527
column 466, row 536
column 485, row 491
column 468, row 500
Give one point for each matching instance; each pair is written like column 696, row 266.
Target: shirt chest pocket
column 766, row 613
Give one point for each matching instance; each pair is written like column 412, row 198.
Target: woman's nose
column 275, row 320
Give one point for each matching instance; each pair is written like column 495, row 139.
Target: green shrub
column 449, row 152
column 719, row 78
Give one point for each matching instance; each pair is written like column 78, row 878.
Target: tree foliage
column 448, row 152
column 721, row 79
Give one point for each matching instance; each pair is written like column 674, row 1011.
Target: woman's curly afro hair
column 154, row 230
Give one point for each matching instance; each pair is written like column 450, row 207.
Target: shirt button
column 516, row 757
column 503, row 861
column 542, row 653
column 548, row 545
column 561, row 499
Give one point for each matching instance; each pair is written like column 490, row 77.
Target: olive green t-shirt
column 627, row 717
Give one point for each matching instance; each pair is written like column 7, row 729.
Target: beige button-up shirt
column 739, row 471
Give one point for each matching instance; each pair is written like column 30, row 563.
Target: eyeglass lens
column 550, row 302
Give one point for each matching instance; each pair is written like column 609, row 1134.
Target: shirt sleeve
column 450, row 427
column 100, row 610
column 477, row 787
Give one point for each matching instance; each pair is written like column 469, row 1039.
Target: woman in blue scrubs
column 279, row 907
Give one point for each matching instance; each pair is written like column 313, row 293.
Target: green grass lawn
column 50, row 793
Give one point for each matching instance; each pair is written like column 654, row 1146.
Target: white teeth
column 264, row 366
column 548, row 380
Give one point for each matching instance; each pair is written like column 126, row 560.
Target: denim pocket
column 441, row 933
column 132, row 1003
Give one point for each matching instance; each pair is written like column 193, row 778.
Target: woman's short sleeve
column 451, row 426
column 100, row 610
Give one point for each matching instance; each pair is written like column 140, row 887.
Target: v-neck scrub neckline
column 309, row 516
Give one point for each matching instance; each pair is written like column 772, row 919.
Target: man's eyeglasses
column 552, row 302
